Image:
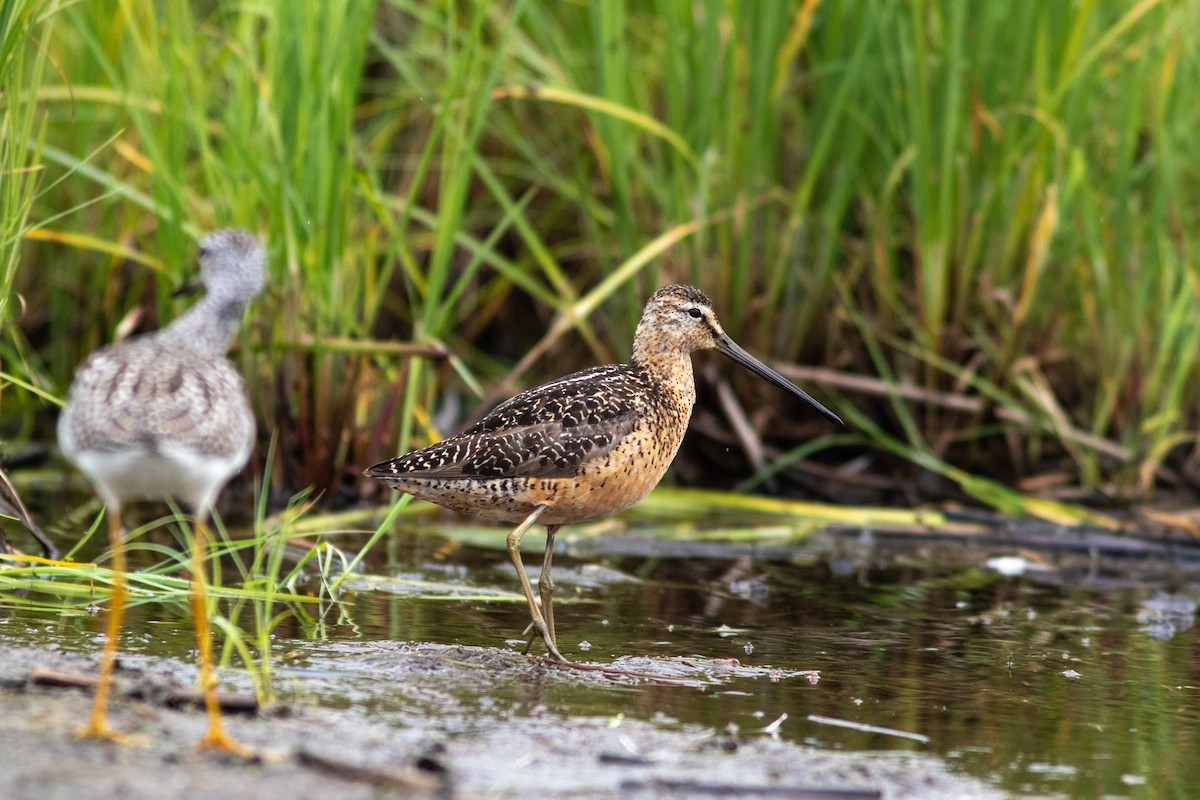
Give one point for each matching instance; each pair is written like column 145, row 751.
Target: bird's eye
column 694, row 313
column 204, row 251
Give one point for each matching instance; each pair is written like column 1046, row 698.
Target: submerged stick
column 865, row 728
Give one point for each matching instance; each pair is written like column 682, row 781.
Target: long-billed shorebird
column 582, row 447
column 166, row 415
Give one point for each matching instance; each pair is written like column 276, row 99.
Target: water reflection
column 1038, row 687
column 1035, row 686
column 1165, row 615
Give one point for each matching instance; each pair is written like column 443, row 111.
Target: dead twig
column 371, row 347
column 864, row 384
column 173, row 697
column 407, row 778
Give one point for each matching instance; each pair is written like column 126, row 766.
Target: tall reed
column 990, row 206
column 22, row 69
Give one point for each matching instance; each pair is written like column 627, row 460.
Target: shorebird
column 582, row 447
column 165, row 415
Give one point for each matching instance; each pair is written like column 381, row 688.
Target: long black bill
column 188, row 287
column 731, row 348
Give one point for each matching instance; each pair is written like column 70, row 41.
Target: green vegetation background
column 974, row 222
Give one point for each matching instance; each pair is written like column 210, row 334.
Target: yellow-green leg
column 546, row 587
column 539, row 622
column 216, row 738
column 98, row 725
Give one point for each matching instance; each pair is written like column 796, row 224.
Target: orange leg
column 216, row 738
column 97, row 725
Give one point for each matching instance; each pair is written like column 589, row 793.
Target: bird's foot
column 98, row 729
column 536, row 631
column 220, row 741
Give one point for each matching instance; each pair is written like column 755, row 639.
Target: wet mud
column 393, row 720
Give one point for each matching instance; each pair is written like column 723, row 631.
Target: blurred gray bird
column 166, row 415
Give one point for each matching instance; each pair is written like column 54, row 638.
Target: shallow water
column 1033, row 683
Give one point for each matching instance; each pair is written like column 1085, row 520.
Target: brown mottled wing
column 545, row 432
column 140, row 396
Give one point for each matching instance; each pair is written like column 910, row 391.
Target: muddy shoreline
column 427, row 744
